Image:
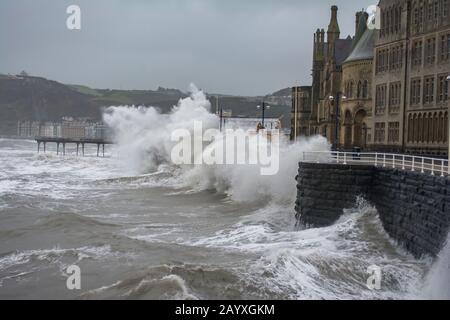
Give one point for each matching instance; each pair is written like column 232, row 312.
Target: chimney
column 358, row 17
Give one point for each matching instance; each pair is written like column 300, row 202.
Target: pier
column 78, row 141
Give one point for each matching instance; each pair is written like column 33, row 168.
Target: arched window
column 359, row 90
column 435, row 128
column 410, row 128
column 416, row 131
column 441, row 127
column 365, row 89
column 420, row 128
column 388, row 21
column 445, row 128
column 430, row 127
column 425, row 128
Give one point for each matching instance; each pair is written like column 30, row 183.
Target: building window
column 380, row 100
column 415, row 91
column 445, row 47
column 380, row 132
column 428, row 90
column 382, row 60
column 436, row 12
column 396, row 57
column 394, row 97
column 445, row 8
column 420, row 18
column 430, row 51
column 417, row 53
column 388, row 21
column 393, row 132
column 365, row 90
column 443, row 88
column 431, row 12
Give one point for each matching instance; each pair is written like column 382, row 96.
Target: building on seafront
column 388, row 86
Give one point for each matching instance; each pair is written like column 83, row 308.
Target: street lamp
column 264, row 107
column 339, row 95
column 221, row 118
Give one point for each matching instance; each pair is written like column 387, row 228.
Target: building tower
column 333, row 32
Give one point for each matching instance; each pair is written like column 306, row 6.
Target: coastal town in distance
column 246, row 152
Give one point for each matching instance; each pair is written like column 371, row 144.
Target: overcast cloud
column 246, row 47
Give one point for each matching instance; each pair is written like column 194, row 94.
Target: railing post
column 393, row 161
column 337, row 157
column 376, row 159
column 384, row 160
column 413, row 164
column 442, row 168
column 345, row 157
column 403, row 163
column 423, row 165
column 432, row 167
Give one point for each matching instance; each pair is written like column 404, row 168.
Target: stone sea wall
column 413, row 207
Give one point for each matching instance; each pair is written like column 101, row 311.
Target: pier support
column 78, row 141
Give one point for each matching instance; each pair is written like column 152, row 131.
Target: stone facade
column 301, row 112
column 414, row 208
column 396, row 99
column 328, row 57
column 356, row 128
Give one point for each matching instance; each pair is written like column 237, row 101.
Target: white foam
column 143, row 136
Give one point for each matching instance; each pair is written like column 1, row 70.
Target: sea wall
column 413, row 207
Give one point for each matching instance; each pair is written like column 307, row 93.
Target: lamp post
column 364, row 128
column 221, row 118
column 264, row 107
column 337, row 116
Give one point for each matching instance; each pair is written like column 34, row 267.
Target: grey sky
column 246, row 47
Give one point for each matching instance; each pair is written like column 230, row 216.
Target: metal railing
column 433, row 166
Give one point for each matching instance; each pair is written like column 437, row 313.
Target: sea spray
column 143, row 135
column 144, row 142
column 438, row 279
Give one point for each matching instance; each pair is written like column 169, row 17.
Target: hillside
column 39, row 99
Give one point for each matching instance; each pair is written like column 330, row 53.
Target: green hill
column 40, row 99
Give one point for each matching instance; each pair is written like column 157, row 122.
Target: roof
column 364, row 48
column 342, row 49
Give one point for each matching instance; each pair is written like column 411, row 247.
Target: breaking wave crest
column 144, row 142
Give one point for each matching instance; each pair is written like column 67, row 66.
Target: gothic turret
column 333, row 32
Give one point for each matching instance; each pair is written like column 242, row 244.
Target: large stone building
column 301, row 123
column 410, row 76
column 356, row 128
column 327, row 75
column 328, row 58
column 391, row 84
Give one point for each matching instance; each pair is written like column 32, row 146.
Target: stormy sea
column 140, row 227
